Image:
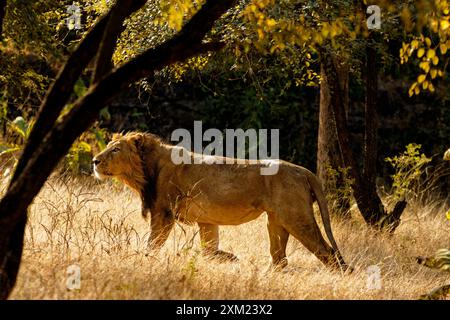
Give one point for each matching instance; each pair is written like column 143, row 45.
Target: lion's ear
column 137, row 139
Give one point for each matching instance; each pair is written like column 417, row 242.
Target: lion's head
column 122, row 159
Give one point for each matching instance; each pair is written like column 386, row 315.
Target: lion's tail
column 320, row 197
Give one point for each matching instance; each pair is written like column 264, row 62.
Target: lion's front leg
column 209, row 236
column 161, row 224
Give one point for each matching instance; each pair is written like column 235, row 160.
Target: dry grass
column 99, row 228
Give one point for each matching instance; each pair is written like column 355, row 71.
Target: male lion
column 219, row 194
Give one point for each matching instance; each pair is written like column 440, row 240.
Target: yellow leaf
column 447, row 158
column 431, row 53
column 416, row 90
column 425, row 66
column 431, row 87
column 334, row 31
column 444, row 25
column 421, row 78
column 260, row 34
column 271, row 22
column 433, row 73
column 415, row 44
column 448, row 215
column 425, row 85
column 443, row 48
column 420, row 52
column 428, row 41
column 434, row 25
column 411, row 90
column 435, row 60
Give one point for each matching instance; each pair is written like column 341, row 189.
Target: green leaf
column 99, row 136
column 80, row 88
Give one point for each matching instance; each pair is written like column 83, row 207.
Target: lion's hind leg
column 278, row 237
column 209, row 236
column 305, row 229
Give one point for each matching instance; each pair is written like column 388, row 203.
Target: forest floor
column 98, row 227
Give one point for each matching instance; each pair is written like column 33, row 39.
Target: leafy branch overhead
column 314, row 24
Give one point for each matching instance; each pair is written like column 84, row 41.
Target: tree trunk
column 21, row 192
column 328, row 153
column 56, row 98
column 375, row 209
column 2, row 17
column 367, row 199
column 376, row 213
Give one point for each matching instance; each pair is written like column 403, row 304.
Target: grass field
column 98, row 227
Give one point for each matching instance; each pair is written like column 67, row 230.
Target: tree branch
column 114, row 28
column 59, row 93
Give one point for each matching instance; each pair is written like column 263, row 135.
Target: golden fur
column 219, row 194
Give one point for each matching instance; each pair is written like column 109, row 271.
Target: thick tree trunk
column 371, row 116
column 328, row 153
column 376, row 212
column 367, row 199
column 21, row 192
column 375, row 209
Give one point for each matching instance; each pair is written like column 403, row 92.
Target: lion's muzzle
column 97, row 171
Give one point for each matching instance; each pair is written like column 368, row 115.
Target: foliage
column 408, row 168
column 79, row 158
column 338, row 187
column 22, row 129
column 431, row 45
column 320, row 23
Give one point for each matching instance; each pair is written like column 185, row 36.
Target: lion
column 211, row 195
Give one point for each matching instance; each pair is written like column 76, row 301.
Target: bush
column 409, row 168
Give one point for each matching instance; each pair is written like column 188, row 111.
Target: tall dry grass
column 98, row 227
